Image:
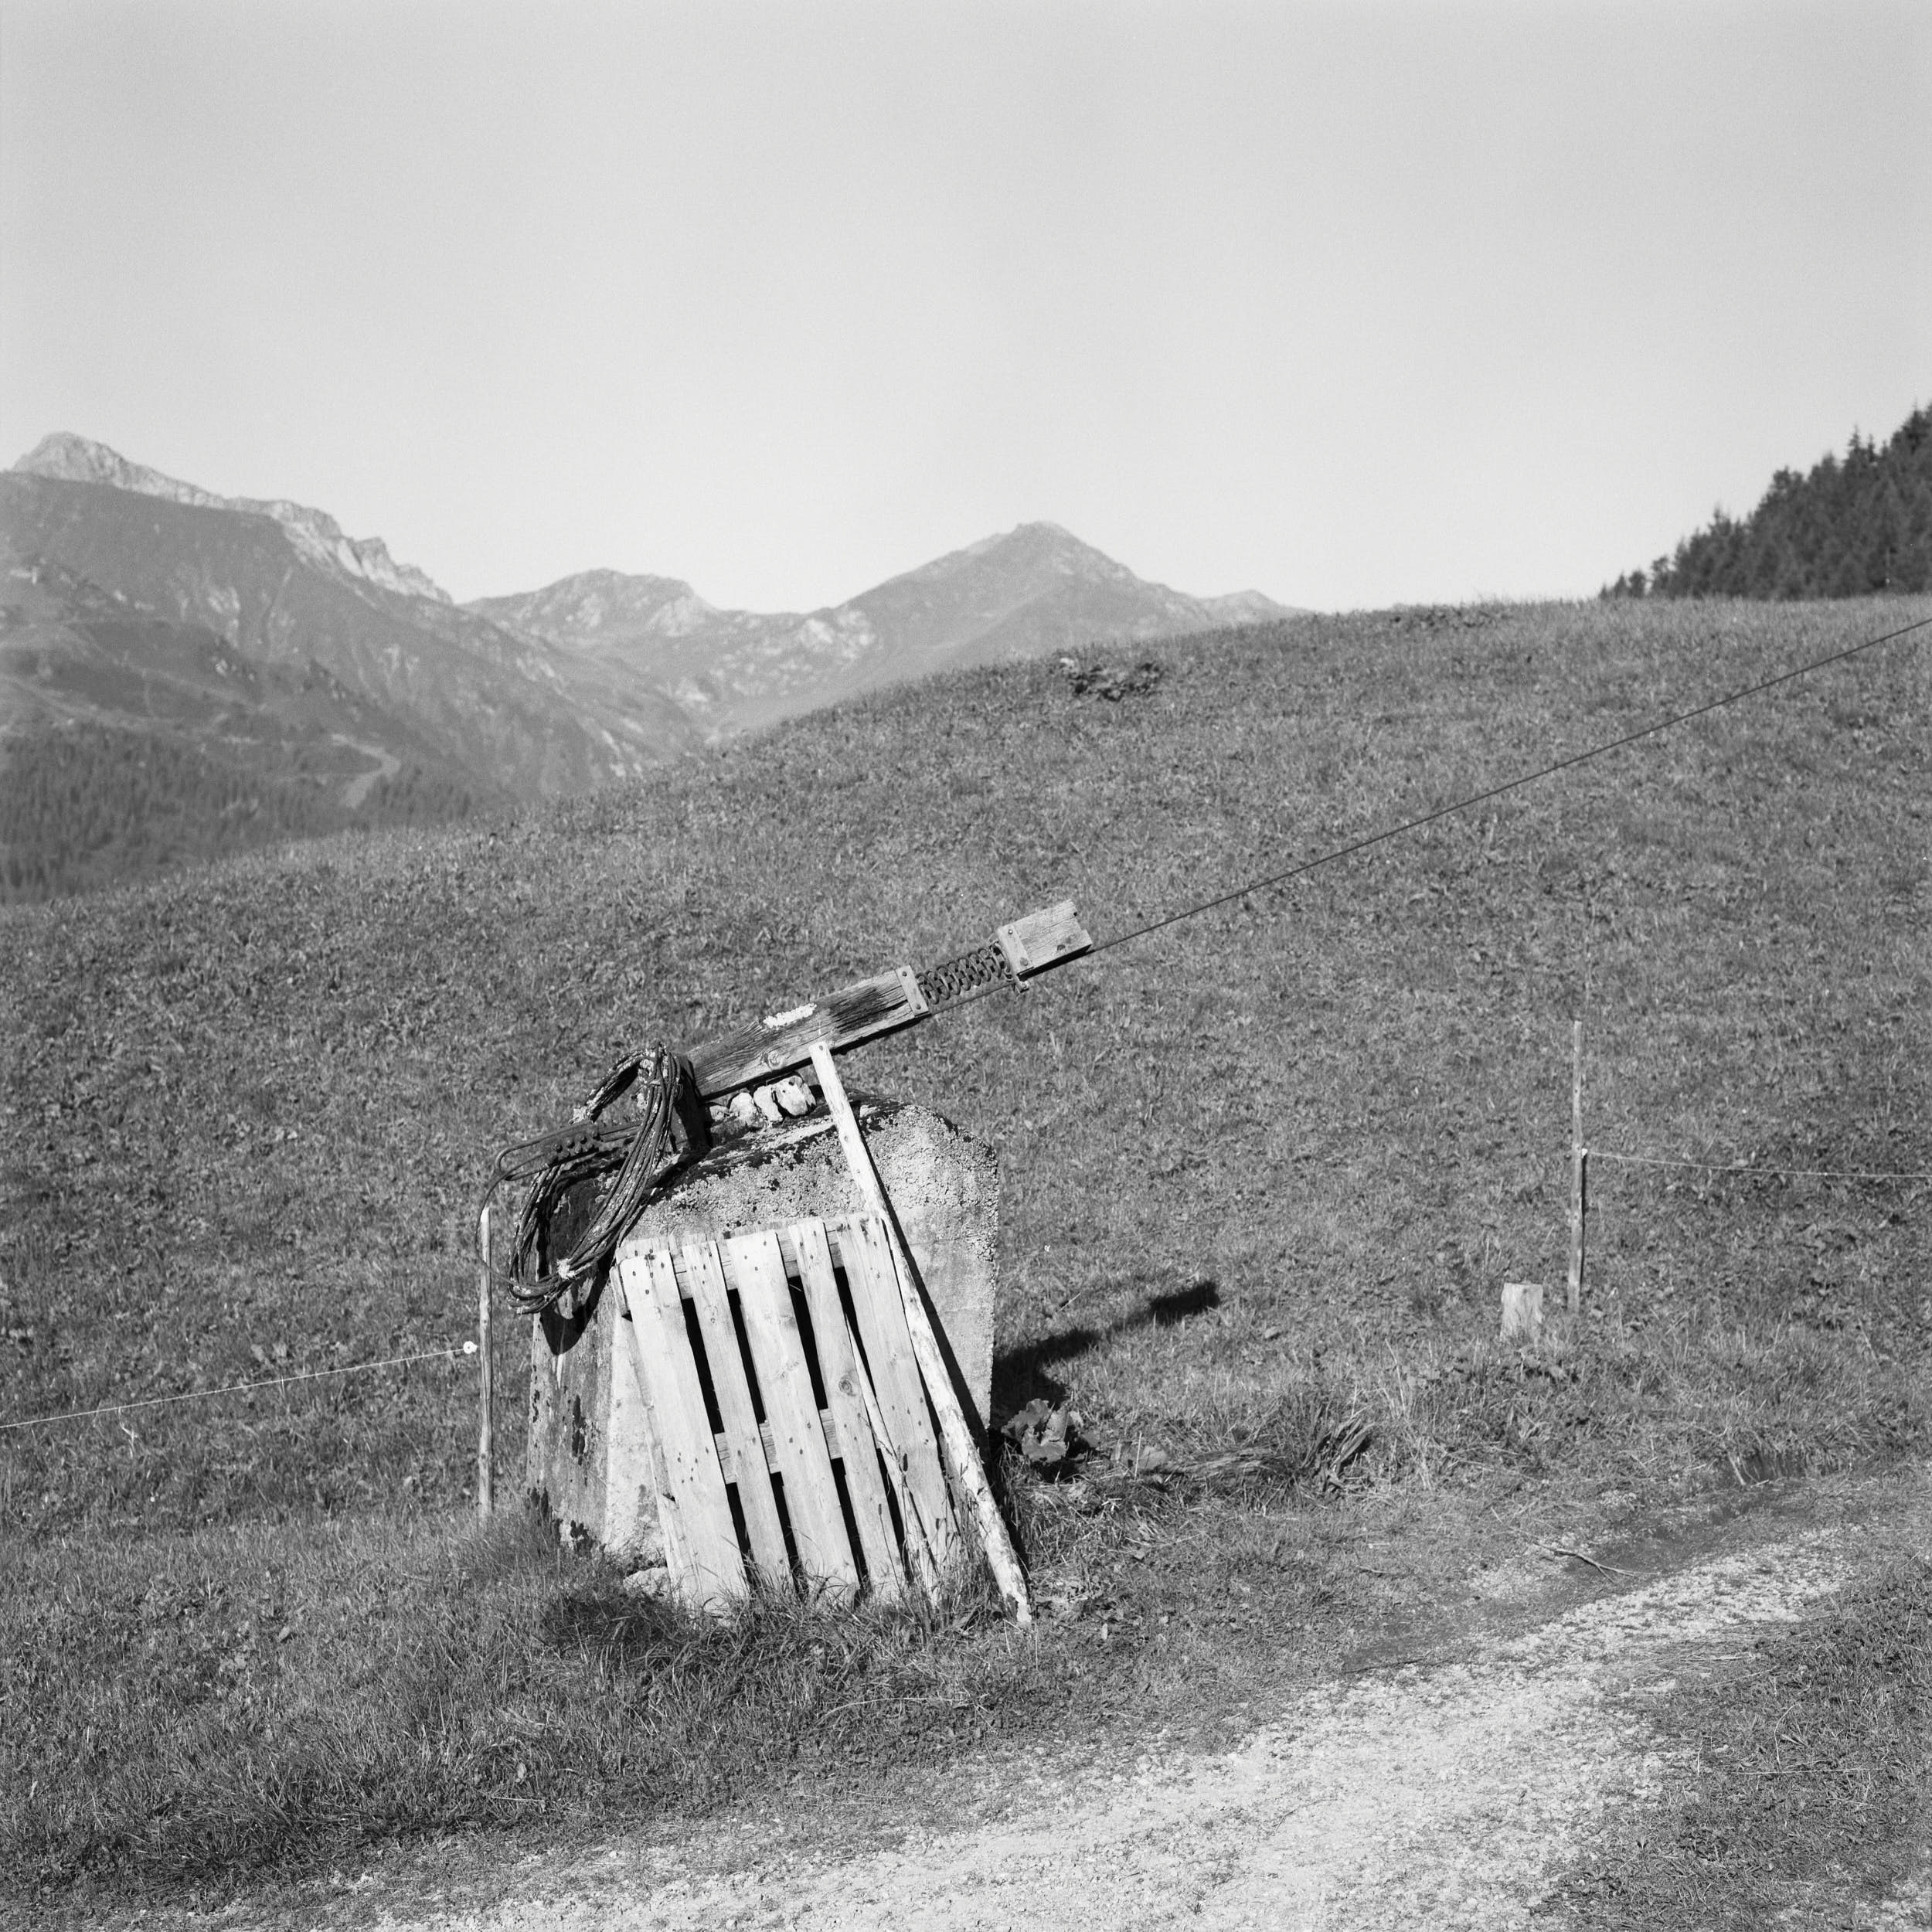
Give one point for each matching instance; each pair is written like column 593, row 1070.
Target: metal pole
column 1578, row 1162
column 486, row 1385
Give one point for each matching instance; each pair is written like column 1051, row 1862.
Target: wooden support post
column 1579, row 1164
column 486, row 1371
column 956, row 1433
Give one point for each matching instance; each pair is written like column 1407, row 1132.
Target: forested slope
column 1850, row 528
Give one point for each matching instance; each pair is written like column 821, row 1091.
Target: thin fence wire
column 455, row 1351
column 1249, row 887
column 1744, row 1167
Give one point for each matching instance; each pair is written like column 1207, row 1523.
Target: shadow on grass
column 1023, row 1375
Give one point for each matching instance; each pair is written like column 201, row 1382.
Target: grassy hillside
column 1262, row 1173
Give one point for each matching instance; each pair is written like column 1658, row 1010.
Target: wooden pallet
column 793, row 1438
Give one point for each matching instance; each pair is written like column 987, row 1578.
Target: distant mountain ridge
column 269, row 675
column 511, row 716
column 317, row 535
column 1027, row 592
column 181, row 674
column 595, row 607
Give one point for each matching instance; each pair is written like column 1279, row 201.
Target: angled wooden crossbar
column 777, row 1045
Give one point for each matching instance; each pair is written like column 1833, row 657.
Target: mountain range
column 1036, row 589
column 310, row 678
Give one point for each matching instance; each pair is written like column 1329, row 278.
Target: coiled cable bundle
column 670, row 1127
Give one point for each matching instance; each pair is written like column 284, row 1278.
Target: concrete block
column 589, row 1455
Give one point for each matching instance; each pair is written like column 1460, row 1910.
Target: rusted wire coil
column 668, row 1127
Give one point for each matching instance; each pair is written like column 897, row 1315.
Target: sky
column 1356, row 304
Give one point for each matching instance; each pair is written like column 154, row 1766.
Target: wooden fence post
column 1578, row 1167
column 486, row 1383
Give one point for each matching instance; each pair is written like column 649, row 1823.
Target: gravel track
column 1448, row 1796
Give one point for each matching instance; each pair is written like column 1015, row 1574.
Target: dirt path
column 1428, row 1796
column 387, row 766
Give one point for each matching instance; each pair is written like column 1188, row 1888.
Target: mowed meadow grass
column 1264, row 1173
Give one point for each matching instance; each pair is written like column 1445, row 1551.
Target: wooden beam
column 897, row 1409
column 956, row 1433
column 769, row 1047
column 764, row 1050
column 711, row 1299
column 797, row 1436
column 1043, row 939
column 841, row 1370
column 486, row 1386
column 691, row 1490
column 1579, row 1167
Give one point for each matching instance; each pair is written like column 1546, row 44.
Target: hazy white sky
column 1352, row 303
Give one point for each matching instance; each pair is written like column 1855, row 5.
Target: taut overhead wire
column 1575, row 758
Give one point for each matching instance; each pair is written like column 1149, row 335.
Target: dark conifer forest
column 87, row 806
column 1856, row 526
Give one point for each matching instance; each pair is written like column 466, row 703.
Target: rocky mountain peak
column 1031, row 548
column 67, row 458
column 597, row 607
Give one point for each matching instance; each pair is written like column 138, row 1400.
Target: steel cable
column 557, row 1165
column 1575, row 758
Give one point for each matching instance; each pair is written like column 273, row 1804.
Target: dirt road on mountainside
column 1430, row 1795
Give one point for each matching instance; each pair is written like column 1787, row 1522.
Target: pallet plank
column 713, row 1574
column 677, row 1557
column 704, row 1272
column 757, row 1265
column 838, row 1367
column 866, row 1252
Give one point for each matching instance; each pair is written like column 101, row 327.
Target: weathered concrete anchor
column 590, row 1441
